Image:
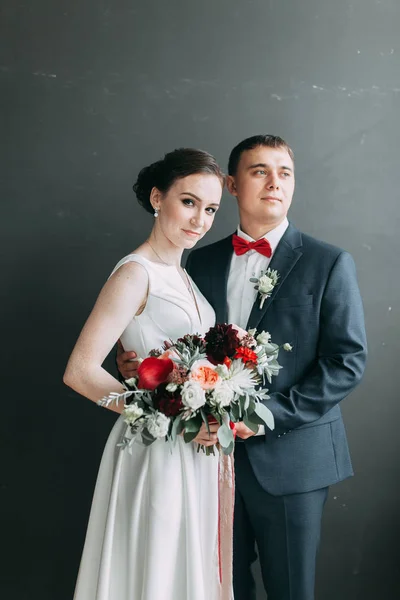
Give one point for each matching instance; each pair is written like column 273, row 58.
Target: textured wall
column 92, row 91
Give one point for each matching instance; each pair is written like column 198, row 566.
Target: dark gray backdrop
column 94, row 90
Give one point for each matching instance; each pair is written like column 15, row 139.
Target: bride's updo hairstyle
column 175, row 165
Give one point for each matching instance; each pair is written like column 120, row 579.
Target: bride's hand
column 204, row 439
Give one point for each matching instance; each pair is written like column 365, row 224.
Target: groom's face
column 263, row 185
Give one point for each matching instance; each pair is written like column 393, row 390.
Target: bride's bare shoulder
column 132, row 270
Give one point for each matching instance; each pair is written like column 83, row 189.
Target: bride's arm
column 119, row 300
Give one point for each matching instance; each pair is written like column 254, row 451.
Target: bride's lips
column 193, row 234
column 271, row 199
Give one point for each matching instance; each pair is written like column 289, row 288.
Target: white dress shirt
column 241, row 294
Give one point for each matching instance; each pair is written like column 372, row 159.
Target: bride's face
column 187, row 210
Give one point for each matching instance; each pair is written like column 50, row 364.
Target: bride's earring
column 156, row 212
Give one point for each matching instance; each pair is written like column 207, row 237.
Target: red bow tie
column 241, row 246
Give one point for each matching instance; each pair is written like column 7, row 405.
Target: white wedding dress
column 153, row 528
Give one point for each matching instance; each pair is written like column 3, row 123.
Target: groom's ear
column 230, row 184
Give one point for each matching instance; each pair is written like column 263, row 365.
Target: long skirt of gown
column 153, row 528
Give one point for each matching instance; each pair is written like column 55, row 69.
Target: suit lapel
column 285, row 257
column 220, row 270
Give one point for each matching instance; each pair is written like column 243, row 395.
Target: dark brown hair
column 271, row 141
column 175, row 165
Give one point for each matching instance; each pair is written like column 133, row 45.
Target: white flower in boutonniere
column 265, row 284
column 263, row 338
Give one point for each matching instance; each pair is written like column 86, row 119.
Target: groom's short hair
column 271, row 141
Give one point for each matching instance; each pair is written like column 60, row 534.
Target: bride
column 153, row 527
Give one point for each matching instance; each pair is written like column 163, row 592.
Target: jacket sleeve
column 341, row 356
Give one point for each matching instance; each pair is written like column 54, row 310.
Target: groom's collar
column 291, row 238
column 283, row 260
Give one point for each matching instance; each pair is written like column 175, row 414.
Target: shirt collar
column 274, row 236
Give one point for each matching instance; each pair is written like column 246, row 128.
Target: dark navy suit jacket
column 316, row 307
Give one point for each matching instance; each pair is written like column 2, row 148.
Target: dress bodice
column 170, row 310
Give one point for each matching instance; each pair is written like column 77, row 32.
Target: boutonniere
column 265, row 284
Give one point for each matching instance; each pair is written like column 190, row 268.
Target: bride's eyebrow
column 190, row 194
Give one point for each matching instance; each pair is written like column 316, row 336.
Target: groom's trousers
column 286, row 532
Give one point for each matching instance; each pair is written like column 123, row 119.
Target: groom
column 283, row 476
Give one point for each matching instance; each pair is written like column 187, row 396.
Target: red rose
column 154, row 371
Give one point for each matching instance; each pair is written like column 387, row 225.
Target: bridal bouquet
column 197, row 380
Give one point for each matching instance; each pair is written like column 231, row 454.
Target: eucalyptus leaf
column 235, row 412
column 125, row 442
column 225, row 436
column 240, row 405
column 266, row 415
column 189, row 436
column 193, row 424
column 255, row 418
column 204, row 417
column 228, row 449
column 177, row 423
column 250, row 424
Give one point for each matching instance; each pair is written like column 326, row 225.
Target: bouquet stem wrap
column 226, row 502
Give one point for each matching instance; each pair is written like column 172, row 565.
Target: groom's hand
column 243, row 431
column 127, row 365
